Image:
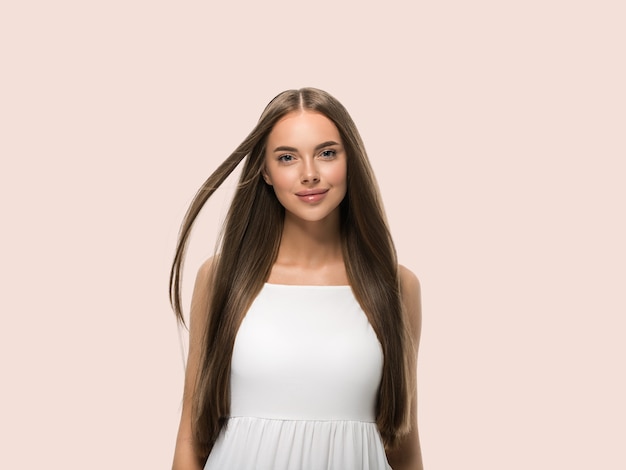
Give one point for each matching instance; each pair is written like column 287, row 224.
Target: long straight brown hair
column 249, row 245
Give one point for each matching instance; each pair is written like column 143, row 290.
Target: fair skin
column 408, row 454
column 306, row 165
column 185, row 457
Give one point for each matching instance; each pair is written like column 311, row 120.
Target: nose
column 309, row 173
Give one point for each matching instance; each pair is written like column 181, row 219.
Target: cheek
column 283, row 180
column 280, row 180
column 338, row 175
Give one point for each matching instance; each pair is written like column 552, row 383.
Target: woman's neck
column 310, row 253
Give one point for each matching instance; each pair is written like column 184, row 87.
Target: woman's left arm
column 408, row 454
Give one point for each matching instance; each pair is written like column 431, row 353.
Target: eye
column 286, row 158
column 328, row 153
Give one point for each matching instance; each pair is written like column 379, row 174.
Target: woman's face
column 305, row 163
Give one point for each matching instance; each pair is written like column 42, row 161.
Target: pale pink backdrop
column 497, row 133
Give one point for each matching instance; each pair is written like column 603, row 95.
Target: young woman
column 303, row 327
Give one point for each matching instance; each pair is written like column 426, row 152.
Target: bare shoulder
column 410, row 286
column 204, row 277
column 206, row 269
column 201, row 291
column 411, row 298
column 408, row 278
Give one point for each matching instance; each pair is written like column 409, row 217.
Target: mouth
column 311, row 192
column 312, row 195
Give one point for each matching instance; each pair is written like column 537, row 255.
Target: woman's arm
column 185, row 457
column 408, row 455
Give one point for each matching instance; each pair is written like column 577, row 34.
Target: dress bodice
column 305, row 373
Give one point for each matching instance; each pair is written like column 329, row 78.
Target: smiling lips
column 312, row 195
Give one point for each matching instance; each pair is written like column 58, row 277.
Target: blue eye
column 285, row 158
column 329, row 153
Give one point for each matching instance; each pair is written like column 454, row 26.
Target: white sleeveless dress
column 305, row 374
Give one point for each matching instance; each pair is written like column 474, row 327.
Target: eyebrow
column 284, row 148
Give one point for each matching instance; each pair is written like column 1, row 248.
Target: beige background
column 497, row 133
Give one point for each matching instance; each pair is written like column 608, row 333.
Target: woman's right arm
column 185, row 457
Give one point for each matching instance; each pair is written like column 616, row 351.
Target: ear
column 266, row 176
